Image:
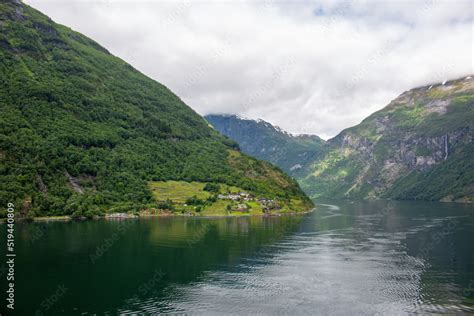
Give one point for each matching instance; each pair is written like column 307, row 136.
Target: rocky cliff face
column 265, row 141
column 418, row 147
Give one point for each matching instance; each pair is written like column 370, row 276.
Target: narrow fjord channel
column 344, row 258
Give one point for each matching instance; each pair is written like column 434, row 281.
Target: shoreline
column 124, row 216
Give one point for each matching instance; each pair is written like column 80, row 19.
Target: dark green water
column 360, row 258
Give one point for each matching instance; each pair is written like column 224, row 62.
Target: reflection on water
column 345, row 258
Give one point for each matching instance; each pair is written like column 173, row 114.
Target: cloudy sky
column 308, row 66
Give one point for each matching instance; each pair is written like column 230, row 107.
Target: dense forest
column 83, row 132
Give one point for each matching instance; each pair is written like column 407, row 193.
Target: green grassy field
column 178, row 192
column 217, row 208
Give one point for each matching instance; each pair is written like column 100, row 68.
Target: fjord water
column 344, row 258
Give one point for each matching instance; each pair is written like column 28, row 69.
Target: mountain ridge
column 419, row 146
column 265, row 141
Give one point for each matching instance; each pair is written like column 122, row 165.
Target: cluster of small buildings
column 265, row 201
column 241, row 196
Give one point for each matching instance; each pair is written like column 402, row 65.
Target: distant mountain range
column 420, row 146
column 265, row 141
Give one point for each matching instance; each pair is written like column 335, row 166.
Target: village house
column 241, row 196
column 265, row 201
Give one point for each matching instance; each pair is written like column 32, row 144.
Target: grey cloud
column 309, row 67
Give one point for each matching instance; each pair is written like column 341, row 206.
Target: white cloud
column 309, row 67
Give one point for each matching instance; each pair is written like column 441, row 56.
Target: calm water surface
column 345, row 258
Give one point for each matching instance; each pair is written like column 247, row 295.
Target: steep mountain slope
column 83, row 132
column 420, row 146
column 265, row 141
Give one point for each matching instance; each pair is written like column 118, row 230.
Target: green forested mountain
column 262, row 140
column 83, row 132
column 420, row 146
